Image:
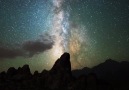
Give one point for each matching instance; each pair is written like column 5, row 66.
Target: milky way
column 37, row 32
column 58, row 29
column 69, row 36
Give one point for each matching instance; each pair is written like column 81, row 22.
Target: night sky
column 37, row 32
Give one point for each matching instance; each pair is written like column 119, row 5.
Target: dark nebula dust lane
column 39, row 32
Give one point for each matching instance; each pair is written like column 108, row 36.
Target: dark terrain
column 110, row 75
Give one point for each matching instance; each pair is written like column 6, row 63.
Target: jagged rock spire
column 63, row 64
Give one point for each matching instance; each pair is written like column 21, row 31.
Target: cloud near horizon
column 35, row 47
column 10, row 53
column 28, row 48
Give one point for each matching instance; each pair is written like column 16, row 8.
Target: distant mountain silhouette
column 110, row 75
column 116, row 73
column 108, row 70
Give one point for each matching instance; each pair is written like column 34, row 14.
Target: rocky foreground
column 60, row 77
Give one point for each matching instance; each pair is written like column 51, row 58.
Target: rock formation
column 60, row 77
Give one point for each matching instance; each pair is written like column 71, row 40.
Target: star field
column 40, row 30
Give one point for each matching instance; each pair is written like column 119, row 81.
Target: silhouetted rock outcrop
column 11, row 71
column 62, row 64
column 60, row 75
column 110, row 75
